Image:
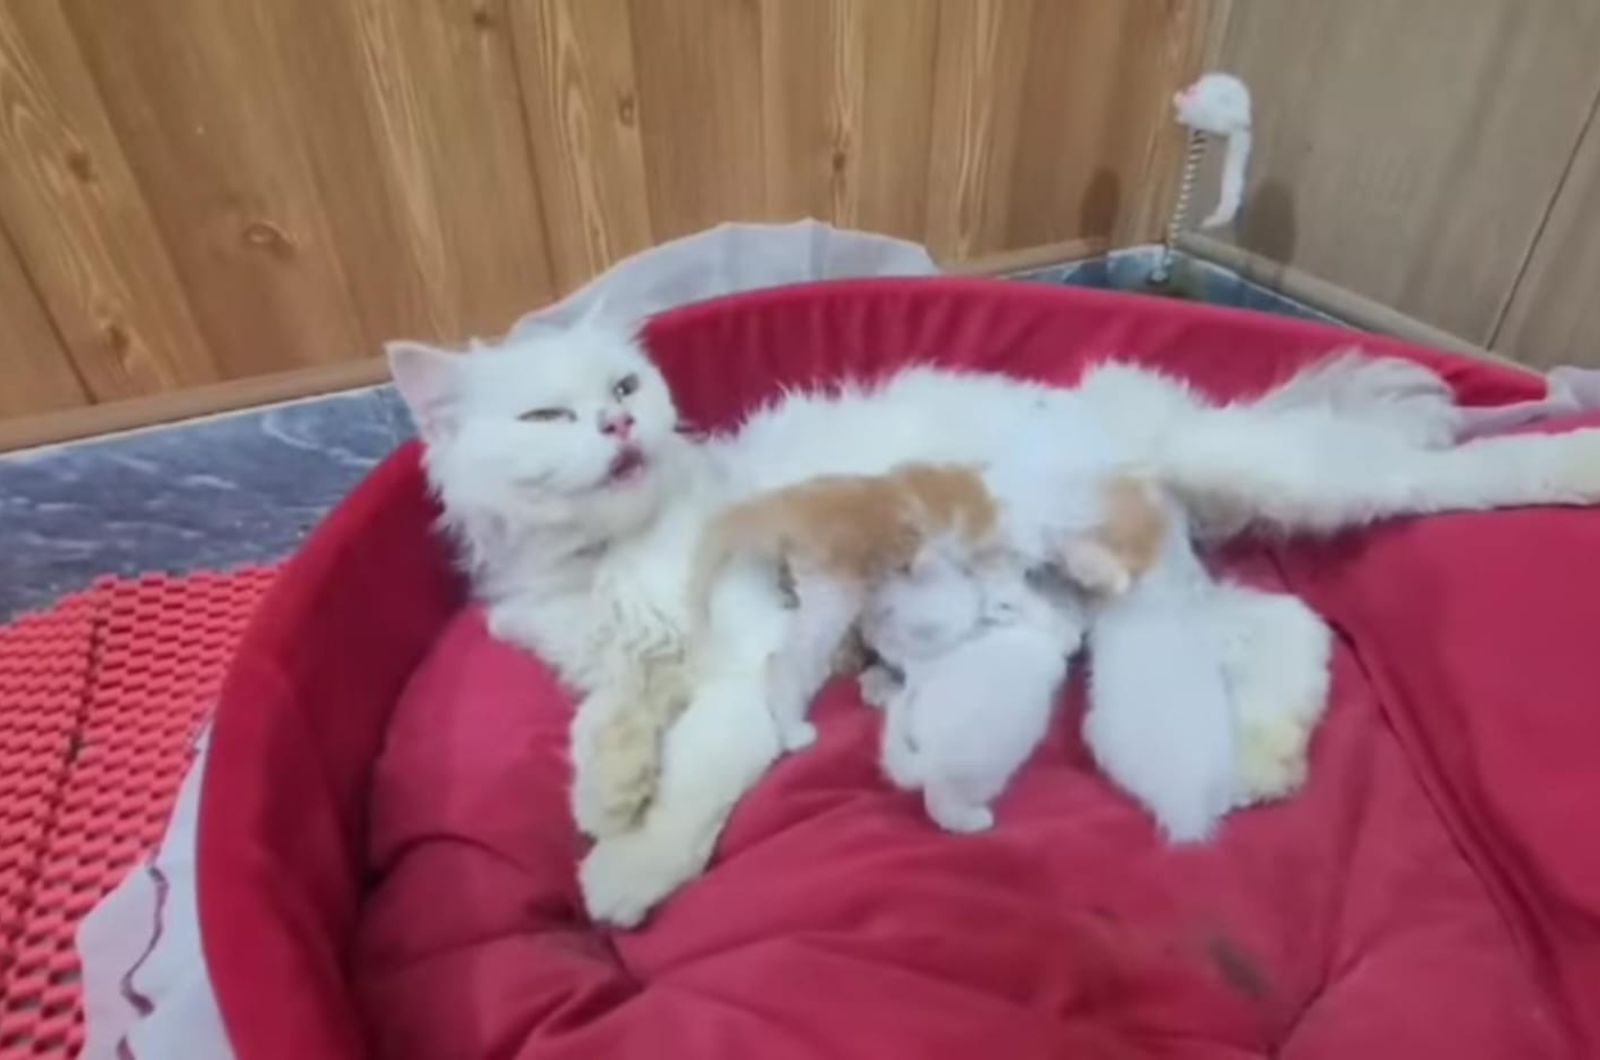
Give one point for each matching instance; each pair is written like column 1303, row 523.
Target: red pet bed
column 387, row 862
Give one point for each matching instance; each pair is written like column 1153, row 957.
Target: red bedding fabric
column 386, row 857
column 837, row 922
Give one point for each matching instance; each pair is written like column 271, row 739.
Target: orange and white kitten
column 839, row 537
column 835, row 537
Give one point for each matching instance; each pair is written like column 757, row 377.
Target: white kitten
column 981, row 659
column 1160, row 722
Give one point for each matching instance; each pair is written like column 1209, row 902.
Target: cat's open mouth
column 627, row 465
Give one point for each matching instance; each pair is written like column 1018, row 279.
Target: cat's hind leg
column 1307, row 470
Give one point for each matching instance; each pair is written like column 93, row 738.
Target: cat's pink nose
column 618, row 424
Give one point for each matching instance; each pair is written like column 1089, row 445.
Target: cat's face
column 568, row 427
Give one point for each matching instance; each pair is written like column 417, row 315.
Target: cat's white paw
column 878, row 684
column 625, row 876
column 797, row 736
column 590, row 811
column 1271, row 760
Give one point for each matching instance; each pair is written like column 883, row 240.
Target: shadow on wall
column 1102, row 199
column 1266, row 222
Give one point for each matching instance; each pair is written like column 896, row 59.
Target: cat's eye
column 625, row 386
column 550, row 415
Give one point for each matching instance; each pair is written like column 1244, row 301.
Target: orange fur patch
column 855, row 527
column 1135, row 525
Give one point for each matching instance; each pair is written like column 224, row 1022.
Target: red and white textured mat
column 100, row 699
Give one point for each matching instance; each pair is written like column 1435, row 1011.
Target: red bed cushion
column 1418, row 899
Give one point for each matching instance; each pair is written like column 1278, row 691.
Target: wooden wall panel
column 444, row 78
column 1408, row 149
column 199, row 108
column 38, row 375
column 1554, row 314
column 217, row 189
column 980, row 71
column 580, row 99
column 79, row 224
column 1097, row 147
column 699, row 71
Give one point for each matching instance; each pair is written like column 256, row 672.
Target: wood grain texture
column 38, row 368
column 979, row 79
column 580, row 100
column 847, row 89
column 699, row 73
column 443, row 79
column 79, row 225
column 200, row 111
column 1553, row 316
column 1408, row 149
column 224, row 189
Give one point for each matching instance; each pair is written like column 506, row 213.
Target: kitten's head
column 927, row 607
column 569, row 429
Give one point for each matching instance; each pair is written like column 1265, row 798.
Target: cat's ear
column 429, row 379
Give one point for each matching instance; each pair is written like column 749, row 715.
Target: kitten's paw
column 964, row 819
column 797, row 736
column 954, row 814
column 901, row 768
column 878, row 684
column 1272, row 755
column 625, row 876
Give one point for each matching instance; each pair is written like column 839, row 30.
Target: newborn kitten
column 982, row 656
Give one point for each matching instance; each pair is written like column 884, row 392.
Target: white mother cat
column 576, row 506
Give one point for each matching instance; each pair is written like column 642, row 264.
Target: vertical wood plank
column 699, row 72
column 197, row 104
column 979, row 79
column 443, row 79
column 897, row 47
column 392, row 257
column 34, row 362
column 847, row 109
column 580, row 101
column 80, row 227
column 1408, row 150
column 1554, row 315
column 806, row 97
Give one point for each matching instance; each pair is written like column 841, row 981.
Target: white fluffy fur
column 586, row 571
column 981, row 659
column 1160, row 722
column 592, row 573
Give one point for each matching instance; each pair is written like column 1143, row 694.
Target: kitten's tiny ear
column 428, row 379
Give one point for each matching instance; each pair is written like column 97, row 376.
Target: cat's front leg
column 715, row 752
column 710, row 756
column 616, row 738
